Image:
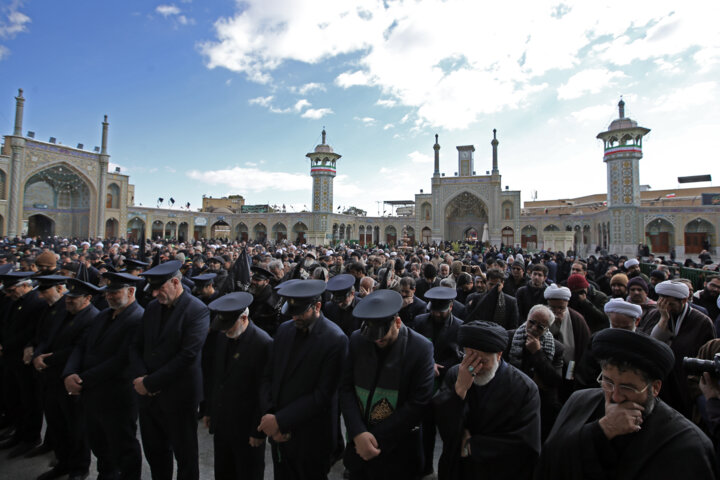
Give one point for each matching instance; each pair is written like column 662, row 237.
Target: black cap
column 228, row 308
column 484, row 336
column 49, row 281
column 261, row 273
column 133, row 264
column 440, row 298
column 160, row 274
column 340, row 283
column 203, row 280
column 107, row 267
column 117, row 281
column 6, row 268
column 70, row 267
column 377, row 311
column 300, row 295
column 217, row 259
column 642, row 351
column 11, row 278
column 78, row 288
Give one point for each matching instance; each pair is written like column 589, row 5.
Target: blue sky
column 216, row 98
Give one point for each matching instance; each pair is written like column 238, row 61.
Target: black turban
column 641, row 351
column 484, row 336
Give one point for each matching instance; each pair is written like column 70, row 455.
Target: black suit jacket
column 19, row 324
column 446, row 350
column 170, row 358
column 100, row 359
column 303, row 393
column 64, row 338
column 234, row 399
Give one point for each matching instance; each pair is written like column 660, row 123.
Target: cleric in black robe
column 487, row 411
column 623, row 430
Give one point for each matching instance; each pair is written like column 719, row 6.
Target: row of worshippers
column 389, row 382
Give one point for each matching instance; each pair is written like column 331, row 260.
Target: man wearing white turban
column 685, row 330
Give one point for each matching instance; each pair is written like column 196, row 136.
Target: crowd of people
column 542, row 365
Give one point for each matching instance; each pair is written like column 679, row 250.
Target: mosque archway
column 182, row 232
column 528, row 237
column 66, row 193
column 40, row 226
column 361, row 233
column 426, row 235
column 157, row 230
column 135, row 229
column 390, row 235
column 508, row 237
column 299, row 230
column 112, row 199
column 241, row 232
column 220, row 229
column 660, row 235
column 463, row 213
column 112, row 228
column 260, row 232
column 699, row 235
column 279, row 232
column 171, row 230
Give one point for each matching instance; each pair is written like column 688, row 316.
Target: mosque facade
column 51, row 189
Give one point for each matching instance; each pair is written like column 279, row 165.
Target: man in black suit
column 242, row 351
column 300, row 385
column 63, row 411
column 19, row 384
column 97, row 371
column 165, row 365
column 340, row 307
column 387, row 385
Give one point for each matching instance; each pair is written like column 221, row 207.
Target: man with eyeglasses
column 685, row 330
column 536, row 353
column 623, row 430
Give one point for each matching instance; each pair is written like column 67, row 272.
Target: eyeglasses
column 535, row 323
column 609, row 386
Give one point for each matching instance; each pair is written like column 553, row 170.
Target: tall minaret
column 103, row 161
column 322, row 169
column 17, row 143
column 436, row 147
column 623, row 151
column 494, row 144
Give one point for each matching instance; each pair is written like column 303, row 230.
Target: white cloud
column 367, row 121
column 300, row 104
column 308, row 87
column 588, row 81
column 595, row 114
column 418, row 157
column 112, row 166
column 170, row 169
column 384, row 102
column 262, row 101
column 316, row 113
column 683, row 98
column 167, row 10
column 348, row 79
column 12, row 22
column 173, row 12
column 253, row 179
column 424, row 55
column 388, row 126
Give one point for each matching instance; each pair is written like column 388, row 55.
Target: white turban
column 631, row 263
column 672, row 288
column 618, row 305
column 555, row 292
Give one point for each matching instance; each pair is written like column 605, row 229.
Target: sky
column 217, row 98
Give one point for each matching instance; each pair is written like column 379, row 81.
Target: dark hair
column 625, row 366
column 407, row 282
column 538, row 267
column 429, row 271
column 495, row 274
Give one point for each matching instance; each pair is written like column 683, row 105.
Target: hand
column 621, row 419
column 269, row 426
column 438, row 367
column 662, row 306
column 206, row 421
column 256, row 442
column 465, row 444
column 709, row 386
column 73, row 384
column 366, row 446
column 532, row 344
column 280, row 437
column 465, row 376
column 39, row 362
column 140, row 386
column 27, row 355
column 363, row 291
